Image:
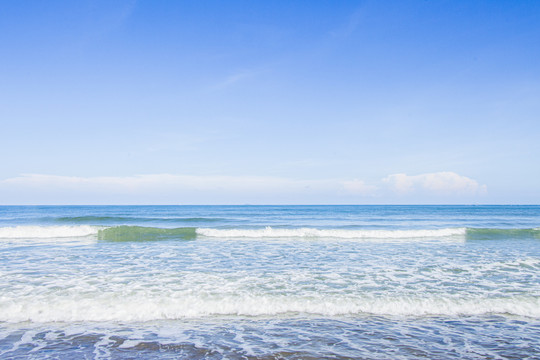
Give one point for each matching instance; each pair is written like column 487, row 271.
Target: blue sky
column 232, row 102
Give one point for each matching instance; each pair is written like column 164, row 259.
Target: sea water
column 270, row 282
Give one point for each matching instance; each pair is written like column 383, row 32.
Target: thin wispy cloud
column 161, row 181
column 171, row 188
column 235, row 78
column 101, row 22
column 350, row 25
column 359, row 187
column 356, row 92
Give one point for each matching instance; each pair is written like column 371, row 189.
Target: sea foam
column 270, row 232
column 145, row 308
column 140, row 233
column 44, row 232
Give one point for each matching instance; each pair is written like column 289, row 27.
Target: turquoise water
column 265, row 282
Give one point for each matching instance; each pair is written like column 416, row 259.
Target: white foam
column 270, row 232
column 144, row 308
column 44, row 232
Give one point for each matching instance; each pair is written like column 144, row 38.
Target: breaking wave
column 45, row 232
column 269, row 232
column 143, row 308
column 144, row 233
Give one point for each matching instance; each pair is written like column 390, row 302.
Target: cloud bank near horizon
column 440, row 183
column 209, row 189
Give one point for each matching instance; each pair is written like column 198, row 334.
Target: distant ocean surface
column 270, row 282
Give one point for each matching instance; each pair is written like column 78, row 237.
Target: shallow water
column 374, row 282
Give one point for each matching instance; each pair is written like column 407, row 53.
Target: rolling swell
column 132, row 219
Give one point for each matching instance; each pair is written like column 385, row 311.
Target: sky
column 269, row 102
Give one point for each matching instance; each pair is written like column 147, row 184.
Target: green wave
column 500, row 234
column 126, row 233
column 141, row 233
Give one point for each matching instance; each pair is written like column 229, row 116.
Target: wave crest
column 47, row 232
column 144, row 308
column 144, row 233
column 270, row 232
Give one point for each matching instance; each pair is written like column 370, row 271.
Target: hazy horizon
column 365, row 102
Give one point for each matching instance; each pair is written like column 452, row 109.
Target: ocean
column 270, row 282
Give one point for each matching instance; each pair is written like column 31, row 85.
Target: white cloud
column 165, row 189
column 359, row 187
column 158, row 181
column 210, row 189
column 439, row 183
